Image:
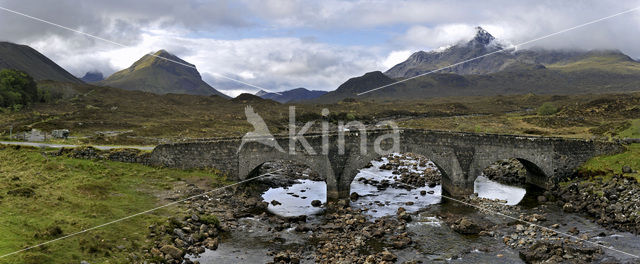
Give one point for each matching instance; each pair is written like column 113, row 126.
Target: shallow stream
column 434, row 241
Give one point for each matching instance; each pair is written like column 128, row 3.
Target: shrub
column 351, row 117
column 547, row 109
column 17, row 89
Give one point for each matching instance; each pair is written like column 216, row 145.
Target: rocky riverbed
column 412, row 223
column 613, row 203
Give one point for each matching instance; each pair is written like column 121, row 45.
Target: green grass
column 611, row 63
column 607, row 165
column 633, row 131
column 43, row 199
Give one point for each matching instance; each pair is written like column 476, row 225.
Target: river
column 434, row 241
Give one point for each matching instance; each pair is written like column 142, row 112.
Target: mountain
column 91, row 77
column 535, row 70
column 161, row 73
column 482, row 43
column 355, row 85
column 518, row 80
column 291, row 96
column 27, row 59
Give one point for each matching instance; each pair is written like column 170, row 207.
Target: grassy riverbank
column 606, row 166
column 44, row 198
column 605, row 191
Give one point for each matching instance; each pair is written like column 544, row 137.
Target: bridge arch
column 358, row 162
column 397, row 180
column 537, row 165
column 250, row 161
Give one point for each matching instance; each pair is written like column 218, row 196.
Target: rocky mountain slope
column 503, row 58
column 483, row 43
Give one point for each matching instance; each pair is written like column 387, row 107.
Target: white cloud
column 395, row 57
column 422, row 37
column 273, row 63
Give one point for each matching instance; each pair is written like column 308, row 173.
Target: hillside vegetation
column 562, row 79
column 17, row 89
column 147, row 118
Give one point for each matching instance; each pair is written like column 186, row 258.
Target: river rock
column 568, row 207
column 614, row 202
column 574, row 230
column 403, row 215
column 354, row 196
column 558, row 252
column 255, row 206
column 211, row 243
column 466, row 226
column 302, row 228
column 388, row 256
column 178, row 232
column 171, row 251
column 286, row 257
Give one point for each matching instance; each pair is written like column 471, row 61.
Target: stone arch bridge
column 461, row 157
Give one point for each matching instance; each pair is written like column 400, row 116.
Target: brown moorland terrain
column 92, row 113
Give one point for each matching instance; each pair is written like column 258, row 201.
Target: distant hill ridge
column 92, row 76
column 291, row 96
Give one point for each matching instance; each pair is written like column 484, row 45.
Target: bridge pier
column 341, row 193
column 460, row 188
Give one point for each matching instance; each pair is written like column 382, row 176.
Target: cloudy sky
column 282, row 44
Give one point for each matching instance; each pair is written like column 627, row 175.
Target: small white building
column 33, row 135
